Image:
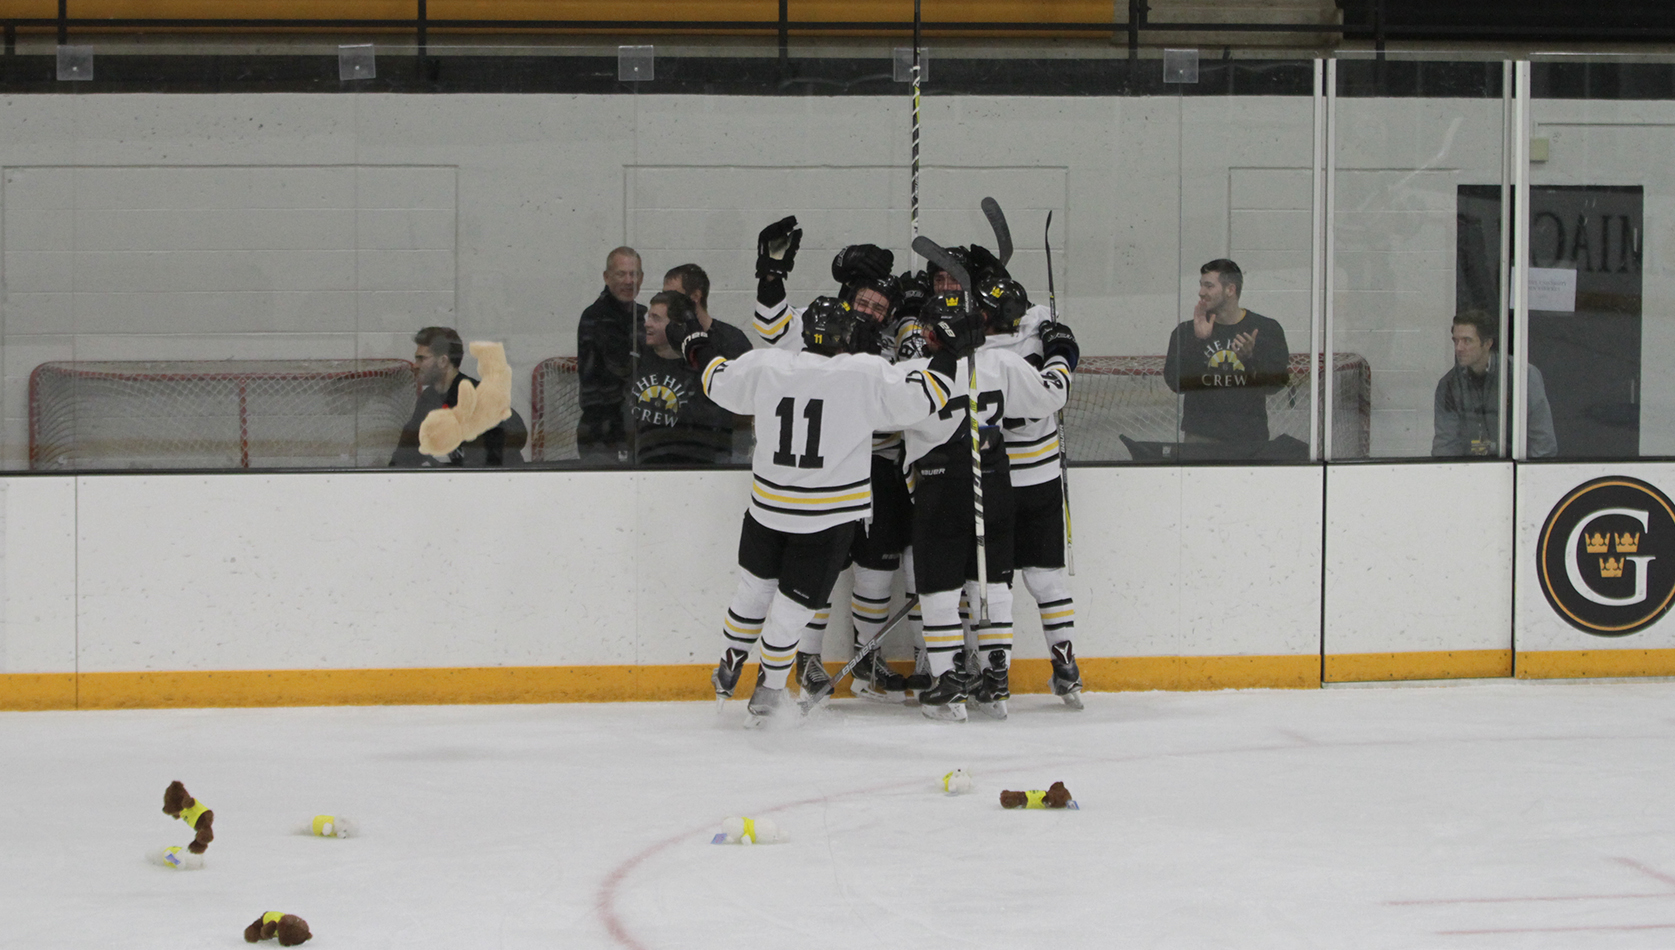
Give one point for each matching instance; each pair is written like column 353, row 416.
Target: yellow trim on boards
column 37, row 691
column 1417, row 665
column 1582, row 664
column 571, row 684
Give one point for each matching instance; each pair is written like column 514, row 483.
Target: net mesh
column 218, row 413
column 1112, row 396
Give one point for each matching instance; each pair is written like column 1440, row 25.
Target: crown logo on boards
column 1611, row 566
column 1629, row 543
column 1598, row 542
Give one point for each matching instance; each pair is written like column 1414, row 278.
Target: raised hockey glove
column 776, row 248
column 915, row 290
column 985, row 265
column 1058, row 341
column 862, row 262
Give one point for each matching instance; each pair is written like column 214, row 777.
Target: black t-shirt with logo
column 674, row 422
column 1226, row 397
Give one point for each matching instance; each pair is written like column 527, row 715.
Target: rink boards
column 545, row 586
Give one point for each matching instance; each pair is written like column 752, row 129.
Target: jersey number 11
column 787, row 414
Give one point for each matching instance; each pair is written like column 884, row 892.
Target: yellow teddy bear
column 479, row 408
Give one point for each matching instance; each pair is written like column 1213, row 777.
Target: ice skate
column 725, row 679
column 812, row 677
column 920, row 679
column 993, row 688
column 768, row 706
column 945, row 700
column 1067, row 677
column 875, row 680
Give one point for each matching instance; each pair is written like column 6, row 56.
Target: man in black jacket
column 1225, row 361
column 605, row 346
column 438, row 352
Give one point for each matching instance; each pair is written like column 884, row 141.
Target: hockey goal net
column 218, row 413
column 1112, row 396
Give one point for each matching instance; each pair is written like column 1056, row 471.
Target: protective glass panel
column 1419, row 203
column 1233, row 334
column 1596, row 126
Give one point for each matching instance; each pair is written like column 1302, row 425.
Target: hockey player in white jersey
column 816, row 411
column 863, row 274
column 944, row 549
column 1032, row 451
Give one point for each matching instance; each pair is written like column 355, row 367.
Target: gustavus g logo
column 1606, row 556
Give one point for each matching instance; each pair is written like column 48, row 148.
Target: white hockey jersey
column 1008, row 386
column 781, row 326
column 1032, row 444
column 815, row 416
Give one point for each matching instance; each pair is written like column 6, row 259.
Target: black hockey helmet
column 1003, row 302
column 960, row 255
column 947, row 324
column 831, row 326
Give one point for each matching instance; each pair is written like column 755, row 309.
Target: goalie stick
column 809, row 702
column 936, row 254
column 1064, row 453
column 1003, row 233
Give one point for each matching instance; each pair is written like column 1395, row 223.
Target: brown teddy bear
column 289, row 928
column 478, row 409
column 178, row 803
column 1056, row 796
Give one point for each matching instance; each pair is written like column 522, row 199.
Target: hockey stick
column 936, row 254
column 1003, row 232
column 865, row 651
column 915, row 192
column 1064, row 456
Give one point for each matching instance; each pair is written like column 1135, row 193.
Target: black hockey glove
column 985, row 265
column 915, row 290
column 1058, row 341
column 862, row 262
column 693, row 341
column 776, row 248
column 955, row 331
column 696, row 347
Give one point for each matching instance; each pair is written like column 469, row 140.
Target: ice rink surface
column 1482, row 816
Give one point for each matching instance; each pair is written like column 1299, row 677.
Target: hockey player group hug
column 866, row 457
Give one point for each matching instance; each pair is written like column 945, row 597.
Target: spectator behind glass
column 1467, row 408
column 438, row 353
column 728, row 340
column 674, row 422
column 1225, row 361
column 605, row 359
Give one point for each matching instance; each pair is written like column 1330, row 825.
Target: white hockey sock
column 815, row 633
column 743, row 624
column 869, row 605
column 997, row 635
column 944, row 635
column 786, row 622
column 1050, row 586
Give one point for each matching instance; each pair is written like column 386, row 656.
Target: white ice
column 1484, row 816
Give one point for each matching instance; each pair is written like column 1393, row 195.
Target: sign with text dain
column 1606, row 556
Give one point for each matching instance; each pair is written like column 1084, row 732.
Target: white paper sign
column 1553, row 288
